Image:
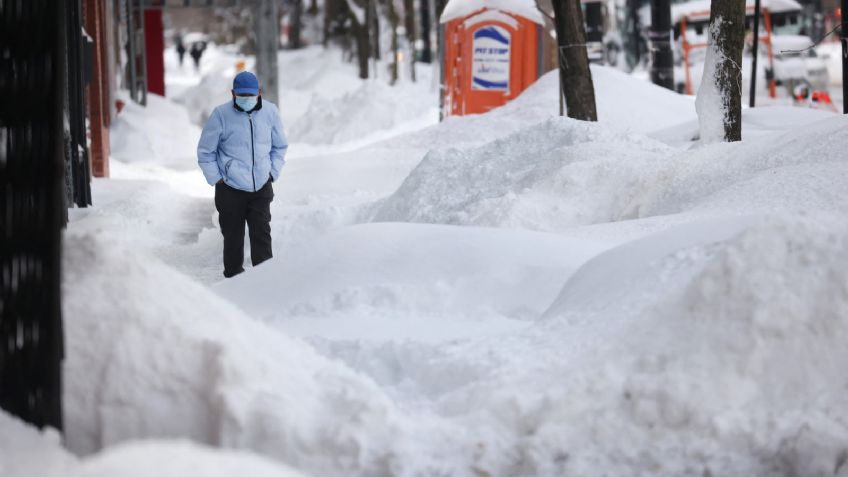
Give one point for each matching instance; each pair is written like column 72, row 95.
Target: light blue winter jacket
column 241, row 148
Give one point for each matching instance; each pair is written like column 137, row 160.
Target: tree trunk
column 719, row 102
column 393, row 23
column 427, row 51
column 329, row 11
column 409, row 23
column 373, row 21
column 360, row 32
column 296, row 23
column 574, row 73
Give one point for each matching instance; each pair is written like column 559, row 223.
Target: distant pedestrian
column 181, row 49
column 241, row 152
column 196, row 52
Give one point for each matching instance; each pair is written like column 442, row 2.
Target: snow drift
column 26, row 452
column 549, row 176
column 159, row 134
column 561, row 173
column 714, row 346
column 373, row 108
column 721, row 343
column 151, row 353
column 394, row 270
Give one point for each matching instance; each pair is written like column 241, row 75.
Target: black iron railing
column 42, row 135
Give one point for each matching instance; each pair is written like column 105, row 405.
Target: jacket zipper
column 252, row 153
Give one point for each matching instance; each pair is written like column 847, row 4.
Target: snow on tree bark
column 719, row 101
column 575, row 76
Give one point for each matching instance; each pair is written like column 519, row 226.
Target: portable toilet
column 493, row 50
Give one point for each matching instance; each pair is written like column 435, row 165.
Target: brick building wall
column 99, row 92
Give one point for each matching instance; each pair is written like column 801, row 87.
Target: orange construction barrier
column 821, row 100
column 688, row 47
column 490, row 57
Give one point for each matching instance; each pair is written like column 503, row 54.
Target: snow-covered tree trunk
column 574, row 73
column 719, row 101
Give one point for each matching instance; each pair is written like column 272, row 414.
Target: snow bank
column 632, row 105
column 27, row 452
column 397, row 271
column 159, row 133
column 178, row 459
column 373, row 109
column 796, row 171
column 561, row 173
column 322, row 101
column 202, row 98
column 756, row 123
column 717, row 349
column 549, row 176
column 624, row 104
column 151, row 353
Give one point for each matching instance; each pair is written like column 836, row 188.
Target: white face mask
column 247, row 103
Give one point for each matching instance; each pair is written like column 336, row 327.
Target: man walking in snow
column 241, row 151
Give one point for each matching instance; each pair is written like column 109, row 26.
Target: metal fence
column 42, row 142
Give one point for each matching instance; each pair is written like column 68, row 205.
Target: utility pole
column 662, row 61
column 427, row 51
column 753, row 94
column 267, row 31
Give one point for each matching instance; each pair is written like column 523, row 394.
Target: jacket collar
column 255, row 108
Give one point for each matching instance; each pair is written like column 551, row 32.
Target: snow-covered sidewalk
column 513, row 293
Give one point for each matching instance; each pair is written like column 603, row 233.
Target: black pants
column 234, row 208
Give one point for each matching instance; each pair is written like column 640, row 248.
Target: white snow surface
column 506, row 294
column 461, row 8
column 26, row 452
column 158, row 134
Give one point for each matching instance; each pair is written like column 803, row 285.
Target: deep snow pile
column 159, row 134
column 561, row 173
column 549, row 176
column 712, row 347
column 624, row 105
column 321, row 99
column 26, row 452
column 727, row 353
column 373, row 108
column 411, row 280
column 150, row 353
column 696, row 328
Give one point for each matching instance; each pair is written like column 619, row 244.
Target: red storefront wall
column 154, row 46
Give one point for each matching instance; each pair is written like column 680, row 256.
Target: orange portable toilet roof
column 456, row 9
